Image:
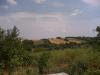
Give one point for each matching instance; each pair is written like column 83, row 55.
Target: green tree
column 97, row 38
column 94, row 42
column 12, row 53
column 98, row 31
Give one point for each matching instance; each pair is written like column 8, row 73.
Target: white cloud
column 13, row 2
column 92, row 2
column 37, row 25
column 76, row 12
column 39, row 1
column 56, row 4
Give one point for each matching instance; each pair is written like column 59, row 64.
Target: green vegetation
column 76, row 56
column 12, row 53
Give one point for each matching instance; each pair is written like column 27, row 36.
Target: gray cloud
column 57, row 4
column 92, row 2
column 39, row 1
column 5, row 3
column 12, row 2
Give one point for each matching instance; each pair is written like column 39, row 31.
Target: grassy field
column 63, row 61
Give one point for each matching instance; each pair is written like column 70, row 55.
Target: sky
column 38, row 19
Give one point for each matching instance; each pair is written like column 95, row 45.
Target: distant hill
column 59, row 40
column 64, row 41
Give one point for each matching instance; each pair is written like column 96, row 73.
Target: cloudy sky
column 50, row 18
